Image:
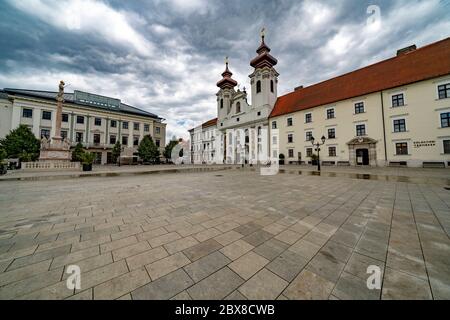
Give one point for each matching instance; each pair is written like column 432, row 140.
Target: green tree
column 21, row 143
column 168, row 149
column 78, row 152
column 3, row 154
column 148, row 151
column 2, row 164
column 116, row 151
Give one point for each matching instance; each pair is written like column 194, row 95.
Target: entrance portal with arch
column 363, row 151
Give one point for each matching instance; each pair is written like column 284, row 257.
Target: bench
column 434, row 164
column 328, row 163
column 398, row 163
column 343, row 163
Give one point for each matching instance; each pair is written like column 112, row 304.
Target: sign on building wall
column 95, row 99
column 420, row 144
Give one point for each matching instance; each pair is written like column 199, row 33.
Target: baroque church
column 240, row 129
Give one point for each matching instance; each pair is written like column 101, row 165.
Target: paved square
column 229, row 234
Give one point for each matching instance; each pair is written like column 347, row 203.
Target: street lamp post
column 317, row 145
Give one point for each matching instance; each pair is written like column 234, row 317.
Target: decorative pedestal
column 55, row 150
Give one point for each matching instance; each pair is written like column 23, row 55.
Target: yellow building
column 394, row 112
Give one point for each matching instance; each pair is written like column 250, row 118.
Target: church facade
column 241, row 129
column 393, row 113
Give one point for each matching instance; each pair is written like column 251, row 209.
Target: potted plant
column 87, row 159
column 314, row 159
column 281, row 157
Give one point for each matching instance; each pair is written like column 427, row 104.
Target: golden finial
column 263, row 33
column 226, row 60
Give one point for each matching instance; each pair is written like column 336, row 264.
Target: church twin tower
column 233, row 109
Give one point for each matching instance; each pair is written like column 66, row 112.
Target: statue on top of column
column 60, row 96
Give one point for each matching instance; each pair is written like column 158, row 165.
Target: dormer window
column 238, row 107
column 258, row 86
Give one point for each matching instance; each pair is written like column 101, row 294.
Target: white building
column 242, row 128
column 394, row 112
column 97, row 122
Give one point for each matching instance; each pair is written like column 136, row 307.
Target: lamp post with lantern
column 317, row 145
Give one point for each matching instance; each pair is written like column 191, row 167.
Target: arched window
column 221, row 103
column 271, row 86
column 238, row 107
column 258, row 86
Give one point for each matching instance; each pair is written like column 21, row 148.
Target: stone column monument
column 56, row 149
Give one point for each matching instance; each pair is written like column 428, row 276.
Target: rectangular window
column 136, row 126
column 290, row 138
column 98, row 122
column 80, row 119
column 332, row 151
column 401, row 148
column 125, row 125
column 360, row 130
column 63, row 134
column 65, row 117
column 308, row 118
column 274, row 124
column 332, row 133
column 79, row 136
column 359, row 107
column 125, row 140
column 158, row 130
column 446, row 146
column 27, row 113
column 289, row 122
column 308, row 135
column 309, row 152
column 445, row 119
column 330, row 114
column 46, row 115
column 398, row 100
column 45, row 133
column 112, row 139
column 146, row 127
column 400, row 125
column 135, row 141
column 444, row 91
column 96, row 138
column 291, row 153
column 158, row 143
column 113, row 124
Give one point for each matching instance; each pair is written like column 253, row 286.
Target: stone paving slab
column 233, row 235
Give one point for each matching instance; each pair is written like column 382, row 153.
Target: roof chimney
column 298, row 88
column 406, row 50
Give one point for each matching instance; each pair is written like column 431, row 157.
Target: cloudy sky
column 167, row 55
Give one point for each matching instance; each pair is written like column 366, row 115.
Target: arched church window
column 258, row 86
column 238, row 107
column 271, row 86
column 221, row 103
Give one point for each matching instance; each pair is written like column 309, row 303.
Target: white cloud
column 87, row 16
column 190, row 6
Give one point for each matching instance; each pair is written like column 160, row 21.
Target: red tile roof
column 424, row 63
column 210, row 123
column 207, row 124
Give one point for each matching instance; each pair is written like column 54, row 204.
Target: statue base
column 56, row 149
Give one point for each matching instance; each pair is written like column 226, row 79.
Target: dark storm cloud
column 166, row 56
